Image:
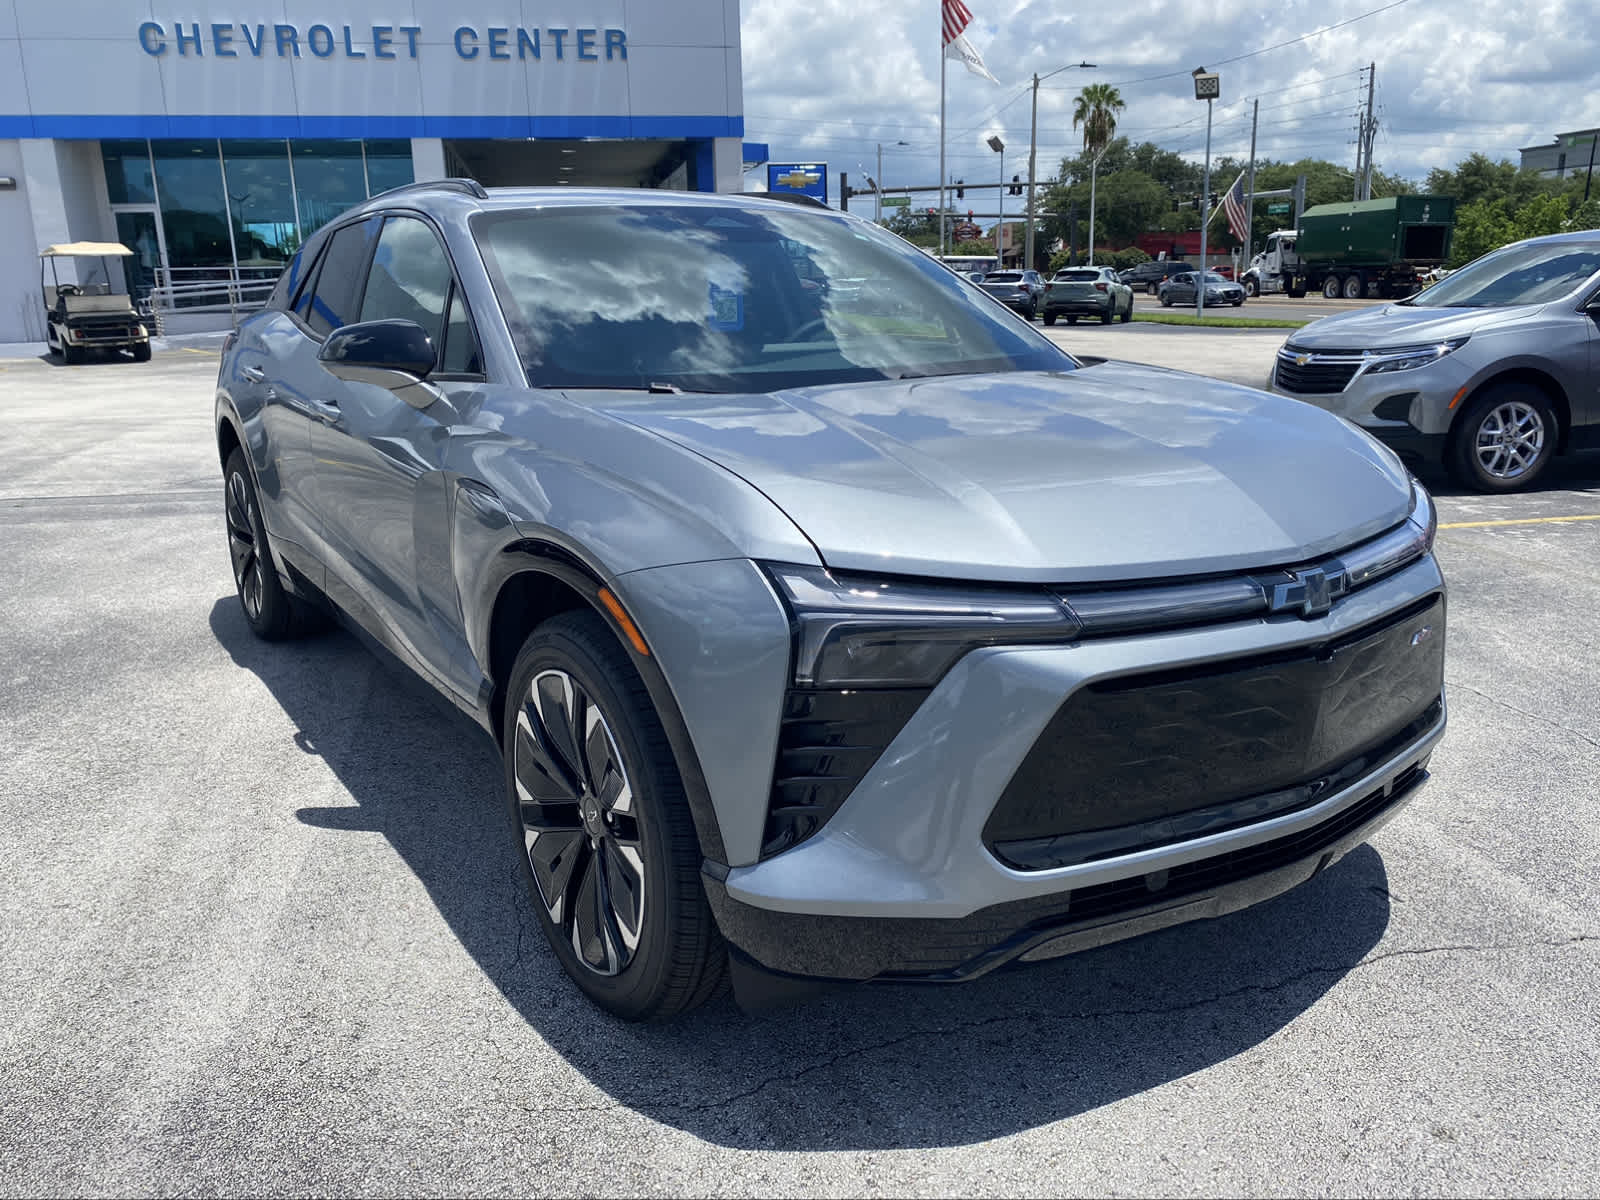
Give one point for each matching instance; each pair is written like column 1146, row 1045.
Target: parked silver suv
column 830, row 622
column 1492, row 371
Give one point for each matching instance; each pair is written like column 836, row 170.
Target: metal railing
column 207, row 291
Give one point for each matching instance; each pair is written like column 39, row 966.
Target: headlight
column 1398, row 548
column 858, row 631
column 1409, row 358
column 140, row 331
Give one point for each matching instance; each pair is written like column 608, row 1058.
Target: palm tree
column 1096, row 110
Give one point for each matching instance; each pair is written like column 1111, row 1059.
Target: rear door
column 384, row 494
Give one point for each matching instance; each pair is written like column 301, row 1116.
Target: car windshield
column 733, row 299
column 1077, row 276
column 1213, row 277
column 1526, row 274
column 1003, row 277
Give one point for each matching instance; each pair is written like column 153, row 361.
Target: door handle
column 253, row 374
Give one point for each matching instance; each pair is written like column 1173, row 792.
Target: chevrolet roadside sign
column 804, row 179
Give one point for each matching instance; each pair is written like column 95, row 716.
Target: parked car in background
column 1180, row 289
column 1020, row 291
column 1492, row 371
column 824, row 633
column 1087, row 292
column 1150, row 275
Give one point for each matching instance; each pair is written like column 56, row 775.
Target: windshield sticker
column 727, row 310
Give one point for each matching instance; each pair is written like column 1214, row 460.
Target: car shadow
column 871, row 1067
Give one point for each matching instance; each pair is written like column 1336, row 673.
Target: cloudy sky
column 828, row 80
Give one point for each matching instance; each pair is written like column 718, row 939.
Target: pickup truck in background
column 1357, row 249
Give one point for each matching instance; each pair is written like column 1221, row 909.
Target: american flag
column 957, row 16
column 1233, row 202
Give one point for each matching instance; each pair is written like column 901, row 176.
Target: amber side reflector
column 614, row 607
column 1456, row 399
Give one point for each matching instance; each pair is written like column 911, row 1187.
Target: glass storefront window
column 261, row 202
column 329, row 178
column 388, row 164
column 193, row 210
column 128, row 171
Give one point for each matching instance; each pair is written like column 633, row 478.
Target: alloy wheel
column 240, row 510
column 580, row 828
column 1510, row 440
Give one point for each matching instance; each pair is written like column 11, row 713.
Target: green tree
column 1481, row 226
column 1096, row 109
column 1586, row 215
column 1540, row 216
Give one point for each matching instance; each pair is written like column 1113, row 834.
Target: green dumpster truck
column 1355, row 249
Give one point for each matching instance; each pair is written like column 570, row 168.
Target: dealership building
column 212, row 137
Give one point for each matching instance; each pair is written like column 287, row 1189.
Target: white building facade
column 213, row 136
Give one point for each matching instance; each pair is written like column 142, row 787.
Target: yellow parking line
column 1519, row 521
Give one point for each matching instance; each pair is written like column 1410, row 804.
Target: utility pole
column 1033, row 142
column 1589, row 178
column 1368, row 127
column 1250, row 188
column 877, row 188
column 1372, row 132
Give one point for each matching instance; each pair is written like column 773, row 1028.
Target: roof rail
column 469, row 186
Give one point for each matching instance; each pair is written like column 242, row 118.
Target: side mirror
column 391, row 354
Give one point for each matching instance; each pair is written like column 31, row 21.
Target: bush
column 1123, row 259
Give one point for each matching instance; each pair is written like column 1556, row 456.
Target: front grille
column 1316, row 377
column 103, row 329
column 827, row 741
column 1150, row 759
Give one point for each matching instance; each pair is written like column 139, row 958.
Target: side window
column 461, row 356
column 331, row 301
column 410, row 277
column 289, row 282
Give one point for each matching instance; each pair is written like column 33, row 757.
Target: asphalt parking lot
column 262, row 933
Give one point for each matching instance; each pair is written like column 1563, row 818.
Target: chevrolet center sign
column 228, row 39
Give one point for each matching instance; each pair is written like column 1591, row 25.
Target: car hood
column 1111, row 472
column 1388, row 325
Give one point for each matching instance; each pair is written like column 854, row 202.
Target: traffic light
column 1016, row 185
column 961, row 192
column 969, row 214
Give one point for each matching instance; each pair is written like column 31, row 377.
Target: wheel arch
column 1527, row 374
column 228, row 436
column 538, row 580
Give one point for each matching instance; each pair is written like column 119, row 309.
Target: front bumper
column 900, row 882
column 1408, row 411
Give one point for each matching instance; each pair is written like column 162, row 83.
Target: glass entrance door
column 140, row 231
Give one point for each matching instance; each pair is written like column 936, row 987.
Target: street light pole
column 1094, row 170
column 1207, row 87
column 1033, row 153
column 999, row 147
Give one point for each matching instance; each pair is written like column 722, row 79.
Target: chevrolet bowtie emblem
column 798, row 178
column 1301, row 360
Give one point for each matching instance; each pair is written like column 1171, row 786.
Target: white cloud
column 830, row 79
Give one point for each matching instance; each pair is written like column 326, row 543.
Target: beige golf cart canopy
column 86, row 250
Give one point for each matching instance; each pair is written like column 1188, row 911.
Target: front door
column 139, row 229
column 382, row 490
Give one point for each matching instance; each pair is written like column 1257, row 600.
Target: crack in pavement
column 1036, row 1014
column 1495, row 700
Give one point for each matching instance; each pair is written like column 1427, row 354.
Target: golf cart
column 89, row 315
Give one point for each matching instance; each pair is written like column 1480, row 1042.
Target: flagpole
column 941, row 134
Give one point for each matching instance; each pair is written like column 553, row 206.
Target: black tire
column 1153, row 289
column 1355, row 287
column 1331, row 287
column 1071, row 319
column 1049, row 317
column 269, row 610
column 1127, row 313
column 1106, row 317
column 1238, row 302
column 678, row 960
column 70, row 354
column 1166, row 299
column 1472, row 454
column 141, row 352
column 1252, row 288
